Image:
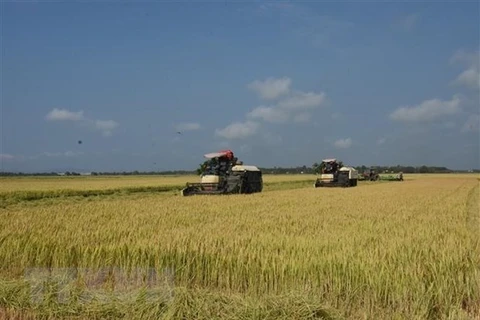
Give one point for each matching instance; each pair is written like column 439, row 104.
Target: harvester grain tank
column 222, row 173
column 334, row 174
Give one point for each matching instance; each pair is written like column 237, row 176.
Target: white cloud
column 343, row 143
column 187, row 126
column 296, row 107
column 303, row 100
column 428, row 110
column 472, row 124
column 64, row 115
column 466, row 57
column 6, row 156
column 105, row 126
column 381, row 141
column 59, row 154
column 271, row 88
column 50, row 154
column 268, row 114
column 292, row 107
column 72, row 153
column 238, row 130
column 470, row 77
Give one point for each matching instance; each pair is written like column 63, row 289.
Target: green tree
column 201, row 167
column 316, row 168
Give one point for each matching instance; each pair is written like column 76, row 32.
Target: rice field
column 133, row 248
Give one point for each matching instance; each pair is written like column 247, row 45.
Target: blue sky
column 281, row 84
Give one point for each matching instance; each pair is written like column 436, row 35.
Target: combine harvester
column 224, row 174
column 334, row 174
column 369, row 175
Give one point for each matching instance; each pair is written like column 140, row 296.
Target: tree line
column 362, row 168
column 275, row 170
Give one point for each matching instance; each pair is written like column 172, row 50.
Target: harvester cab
column 334, row 174
column 222, row 173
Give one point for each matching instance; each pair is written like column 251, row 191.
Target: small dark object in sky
column 79, row 141
column 179, row 132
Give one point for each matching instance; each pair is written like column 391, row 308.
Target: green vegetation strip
column 14, row 197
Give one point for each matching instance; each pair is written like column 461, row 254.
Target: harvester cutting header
column 222, row 173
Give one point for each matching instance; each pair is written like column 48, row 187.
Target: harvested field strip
column 12, row 197
column 26, row 183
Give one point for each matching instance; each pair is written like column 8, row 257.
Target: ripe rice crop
column 381, row 250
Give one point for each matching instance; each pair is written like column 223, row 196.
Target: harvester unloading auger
column 222, row 173
column 334, row 174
